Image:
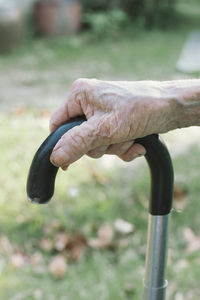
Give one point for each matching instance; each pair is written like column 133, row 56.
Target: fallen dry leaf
column 77, row 252
column 54, row 225
column 62, row 239
column 44, row 113
column 192, row 240
column 180, row 197
column 98, row 244
column 77, row 239
column 76, row 246
column 5, row 245
column 99, row 177
column 123, row 227
column 105, row 233
column 72, row 246
column 104, row 239
column 19, row 111
column 46, row 244
column 58, row 266
column 36, row 259
column 18, row 260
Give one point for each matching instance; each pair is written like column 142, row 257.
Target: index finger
column 73, row 106
column 69, row 110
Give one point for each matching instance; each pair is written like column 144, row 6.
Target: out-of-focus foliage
column 89, row 241
column 159, row 13
column 155, row 13
column 105, row 24
column 96, row 5
column 131, row 7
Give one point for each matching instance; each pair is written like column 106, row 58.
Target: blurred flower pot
column 57, row 17
column 11, row 27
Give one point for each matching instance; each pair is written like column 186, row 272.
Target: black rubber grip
column 162, row 174
column 42, row 174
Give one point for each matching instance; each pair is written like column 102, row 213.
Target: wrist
column 183, row 97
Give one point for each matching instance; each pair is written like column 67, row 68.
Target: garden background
column 89, row 242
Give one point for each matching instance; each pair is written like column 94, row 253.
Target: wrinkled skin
column 117, row 113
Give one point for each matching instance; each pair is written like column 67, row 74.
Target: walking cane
column 40, row 189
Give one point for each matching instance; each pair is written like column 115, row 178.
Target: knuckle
column 128, row 158
column 80, row 83
column 77, row 139
column 94, row 155
column 59, row 157
column 105, row 128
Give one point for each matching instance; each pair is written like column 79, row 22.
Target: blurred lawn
column 42, row 70
column 92, row 192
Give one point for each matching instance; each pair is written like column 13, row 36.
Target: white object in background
column 189, row 61
column 123, row 226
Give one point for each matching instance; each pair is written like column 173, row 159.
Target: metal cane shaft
column 156, row 257
column 160, row 205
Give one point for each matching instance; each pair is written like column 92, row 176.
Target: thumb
column 74, row 144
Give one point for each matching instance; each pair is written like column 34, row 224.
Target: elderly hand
column 117, row 113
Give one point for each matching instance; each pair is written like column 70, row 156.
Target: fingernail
column 142, row 152
column 65, row 167
column 52, row 160
column 53, row 163
column 59, row 157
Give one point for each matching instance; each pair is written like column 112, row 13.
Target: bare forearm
column 119, row 112
column 185, row 98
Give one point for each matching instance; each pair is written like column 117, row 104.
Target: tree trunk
column 149, row 9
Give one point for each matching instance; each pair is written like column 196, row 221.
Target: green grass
column 133, row 56
column 101, row 274
column 104, row 272
column 111, row 273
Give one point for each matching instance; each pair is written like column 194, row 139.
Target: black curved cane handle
column 162, row 174
column 42, row 174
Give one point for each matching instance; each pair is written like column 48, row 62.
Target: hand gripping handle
column 42, row 174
